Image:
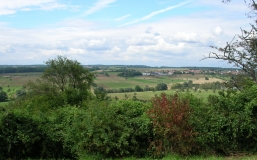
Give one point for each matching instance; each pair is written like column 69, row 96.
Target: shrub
column 228, row 122
column 170, row 115
column 113, row 130
column 23, row 135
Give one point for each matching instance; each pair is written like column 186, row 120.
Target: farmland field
column 14, row 81
column 116, row 82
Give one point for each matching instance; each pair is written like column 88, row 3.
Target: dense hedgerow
column 24, row 135
column 116, row 129
column 113, row 130
column 229, row 124
column 179, row 123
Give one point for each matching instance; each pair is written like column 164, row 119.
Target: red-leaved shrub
column 172, row 131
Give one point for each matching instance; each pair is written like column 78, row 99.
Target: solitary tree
column 64, row 77
column 66, row 73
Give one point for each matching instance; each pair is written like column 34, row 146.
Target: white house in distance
column 146, row 74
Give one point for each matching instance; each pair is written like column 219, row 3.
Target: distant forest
column 26, row 69
column 41, row 68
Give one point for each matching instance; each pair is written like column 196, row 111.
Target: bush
column 23, row 135
column 119, row 129
column 228, row 122
column 170, row 115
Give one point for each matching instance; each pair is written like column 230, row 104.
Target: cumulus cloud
column 141, row 41
column 174, row 41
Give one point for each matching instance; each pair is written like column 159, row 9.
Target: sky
column 174, row 33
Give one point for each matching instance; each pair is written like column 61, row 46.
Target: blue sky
column 129, row 32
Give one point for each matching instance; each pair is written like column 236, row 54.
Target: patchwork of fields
column 13, row 82
column 116, row 82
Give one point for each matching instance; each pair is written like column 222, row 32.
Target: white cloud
column 218, row 30
column 100, row 4
column 122, row 18
column 155, row 13
column 12, row 6
column 142, row 41
column 175, row 41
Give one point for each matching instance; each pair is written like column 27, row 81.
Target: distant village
column 190, row 71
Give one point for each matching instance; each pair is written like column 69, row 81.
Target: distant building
column 146, row 74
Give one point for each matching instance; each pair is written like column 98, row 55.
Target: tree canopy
column 65, row 78
column 66, row 73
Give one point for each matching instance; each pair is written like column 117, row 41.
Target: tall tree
column 66, row 78
column 66, row 73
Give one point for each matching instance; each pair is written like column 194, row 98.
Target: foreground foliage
column 58, row 117
column 179, row 123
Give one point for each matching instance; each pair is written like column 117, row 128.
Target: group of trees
column 129, row 73
column 208, row 85
column 22, row 69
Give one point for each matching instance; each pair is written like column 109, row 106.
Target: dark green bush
column 116, row 130
column 23, row 135
column 228, row 122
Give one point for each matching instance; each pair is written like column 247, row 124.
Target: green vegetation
column 64, row 115
column 58, row 115
column 129, row 73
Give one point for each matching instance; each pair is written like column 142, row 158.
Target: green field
column 116, row 82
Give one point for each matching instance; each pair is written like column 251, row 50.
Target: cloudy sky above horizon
column 111, row 32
